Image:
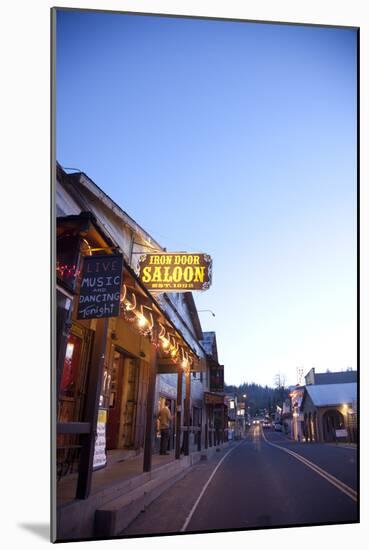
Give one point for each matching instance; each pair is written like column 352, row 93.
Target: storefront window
column 63, row 306
column 106, row 398
column 68, row 384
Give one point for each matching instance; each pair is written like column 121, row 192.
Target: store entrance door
column 122, row 402
column 115, row 399
column 129, row 402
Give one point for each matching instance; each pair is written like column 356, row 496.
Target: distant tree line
column 259, row 398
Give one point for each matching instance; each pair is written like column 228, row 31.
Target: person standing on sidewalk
column 164, row 418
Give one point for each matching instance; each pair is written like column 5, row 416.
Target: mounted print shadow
column 204, row 275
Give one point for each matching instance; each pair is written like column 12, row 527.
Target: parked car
column 278, row 427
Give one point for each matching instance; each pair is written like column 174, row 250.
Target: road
column 263, row 481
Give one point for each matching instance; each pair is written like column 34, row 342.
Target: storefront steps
column 110, row 508
column 116, row 515
column 120, row 455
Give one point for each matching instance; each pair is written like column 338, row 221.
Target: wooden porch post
column 210, row 422
column 187, row 415
column 150, row 407
column 179, row 412
column 199, row 434
column 224, row 424
column 92, row 408
column 206, row 440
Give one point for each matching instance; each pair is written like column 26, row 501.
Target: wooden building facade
column 113, row 373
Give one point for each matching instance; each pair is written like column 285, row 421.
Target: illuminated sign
column 210, row 399
column 101, row 281
column 176, row 272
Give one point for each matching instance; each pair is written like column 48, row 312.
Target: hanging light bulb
column 174, row 349
column 144, row 324
column 127, row 304
column 142, row 321
column 184, row 362
column 165, row 343
column 123, row 295
column 86, row 247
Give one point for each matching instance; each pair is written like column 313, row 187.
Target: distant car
column 278, row 427
column 266, row 424
column 255, row 421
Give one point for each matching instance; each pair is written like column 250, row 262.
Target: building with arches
column 329, row 407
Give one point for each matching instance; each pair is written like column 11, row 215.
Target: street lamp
column 204, row 310
column 244, row 414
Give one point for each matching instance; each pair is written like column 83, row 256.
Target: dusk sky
column 236, row 139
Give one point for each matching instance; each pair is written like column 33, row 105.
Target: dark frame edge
column 53, row 520
column 358, row 262
column 205, row 17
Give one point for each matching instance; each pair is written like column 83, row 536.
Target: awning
column 85, row 229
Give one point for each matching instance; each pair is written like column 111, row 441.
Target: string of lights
column 65, row 270
column 143, row 319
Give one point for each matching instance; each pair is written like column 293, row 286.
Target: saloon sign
column 176, row 272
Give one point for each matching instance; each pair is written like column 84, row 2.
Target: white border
column 25, row 171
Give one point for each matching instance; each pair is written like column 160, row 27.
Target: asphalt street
column 265, row 480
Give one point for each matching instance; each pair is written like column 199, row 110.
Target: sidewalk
column 344, row 445
column 119, row 492
column 117, row 470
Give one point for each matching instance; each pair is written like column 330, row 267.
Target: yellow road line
column 323, row 473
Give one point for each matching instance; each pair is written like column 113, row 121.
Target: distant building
column 329, row 406
column 215, row 401
column 342, row 377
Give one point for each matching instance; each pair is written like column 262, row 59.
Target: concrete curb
column 116, row 515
